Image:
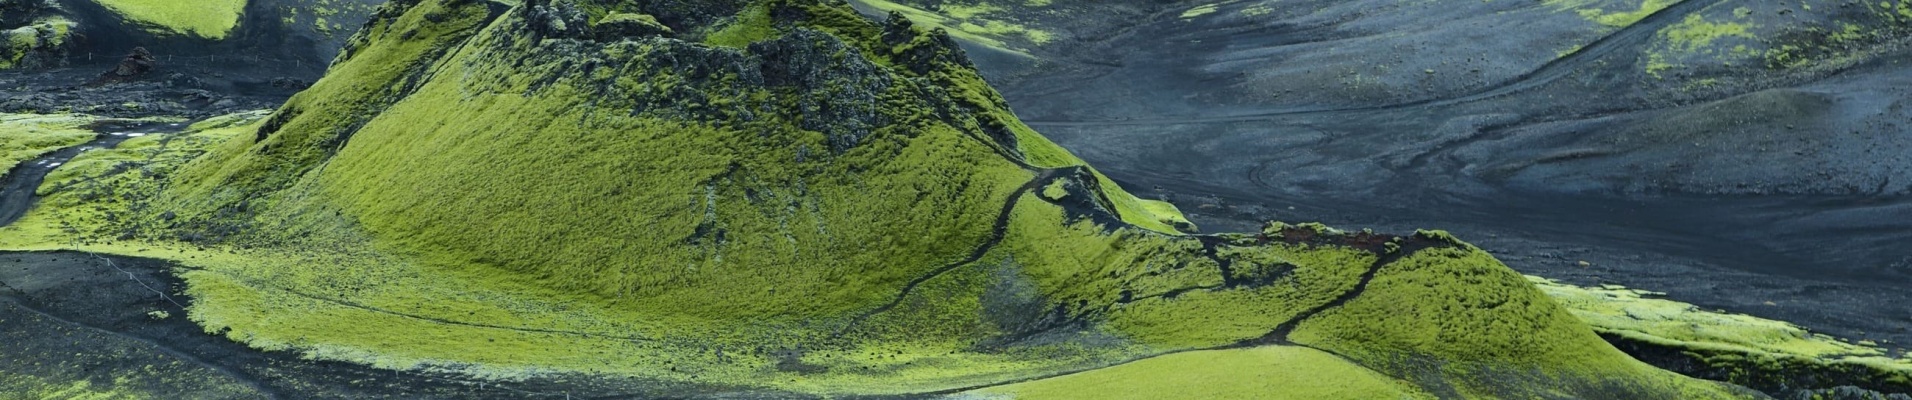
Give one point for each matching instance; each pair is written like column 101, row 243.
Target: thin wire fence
column 170, row 58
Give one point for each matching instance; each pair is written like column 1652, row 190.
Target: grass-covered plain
column 1274, row 372
column 210, row 19
column 25, row 136
column 810, row 202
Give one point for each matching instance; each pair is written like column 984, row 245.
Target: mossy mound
column 1427, row 316
column 45, row 42
column 778, row 195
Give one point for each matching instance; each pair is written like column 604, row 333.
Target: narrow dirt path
column 996, row 234
column 18, row 186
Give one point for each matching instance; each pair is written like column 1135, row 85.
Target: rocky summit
column 412, row 199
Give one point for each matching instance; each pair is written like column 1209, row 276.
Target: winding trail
column 18, row 186
column 1276, row 337
column 1631, row 35
column 996, row 234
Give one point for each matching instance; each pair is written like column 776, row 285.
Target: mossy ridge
column 373, row 70
column 1494, row 329
column 1769, row 355
column 209, row 19
column 26, row 136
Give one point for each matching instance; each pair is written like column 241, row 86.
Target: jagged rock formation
column 777, row 196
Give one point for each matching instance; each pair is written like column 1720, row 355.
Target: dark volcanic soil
column 189, row 87
column 1785, row 201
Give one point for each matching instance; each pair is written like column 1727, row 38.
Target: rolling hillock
column 779, row 197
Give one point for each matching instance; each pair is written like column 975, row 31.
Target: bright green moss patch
column 1695, row 32
column 1848, row 38
column 981, row 23
column 26, row 136
column 1535, row 331
column 210, row 19
column 750, row 26
column 31, row 387
column 1273, row 372
column 1694, row 36
column 1200, row 10
column 1620, row 15
column 1625, row 312
column 1739, row 348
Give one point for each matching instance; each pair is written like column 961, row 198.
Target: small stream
column 18, row 187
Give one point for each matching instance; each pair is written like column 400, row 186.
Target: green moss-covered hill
column 779, row 196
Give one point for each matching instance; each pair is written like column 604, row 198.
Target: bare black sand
column 1786, row 201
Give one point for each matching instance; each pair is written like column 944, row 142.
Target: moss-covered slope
column 778, row 195
column 211, row 19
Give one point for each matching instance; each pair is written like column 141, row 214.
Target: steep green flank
column 812, row 202
column 210, row 19
column 25, row 136
column 1274, row 372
